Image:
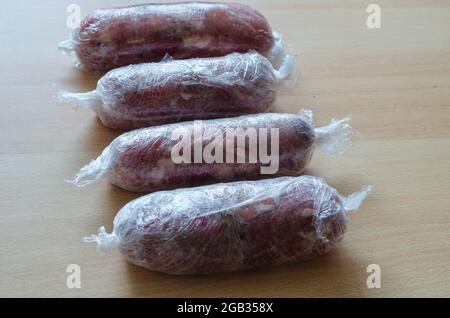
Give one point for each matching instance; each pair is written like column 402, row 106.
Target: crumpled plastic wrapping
column 142, row 160
column 110, row 38
column 232, row 226
column 170, row 91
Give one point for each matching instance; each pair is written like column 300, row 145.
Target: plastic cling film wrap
column 284, row 61
column 94, row 170
column 149, row 94
column 88, row 100
column 105, row 241
column 110, row 38
column 354, row 201
column 231, row 226
column 335, row 138
column 67, row 46
column 143, row 160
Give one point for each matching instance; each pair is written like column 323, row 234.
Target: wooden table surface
column 395, row 81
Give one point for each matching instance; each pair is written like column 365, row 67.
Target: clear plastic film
column 335, row 138
column 87, row 100
column 115, row 37
column 94, row 170
column 280, row 144
column 232, row 226
column 68, row 46
column 150, row 94
column 284, row 61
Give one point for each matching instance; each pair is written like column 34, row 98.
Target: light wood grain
column 394, row 81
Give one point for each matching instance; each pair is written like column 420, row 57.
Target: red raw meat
column 141, row 160
column 149, row 94
column 232, row 226
column 110, row 38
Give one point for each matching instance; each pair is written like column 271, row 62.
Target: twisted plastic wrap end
column 87, row 100
column 285, row 63
column 66, row 46
column 336, row 138
column 93, row 171
column 105, row 242
column 354, row 201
